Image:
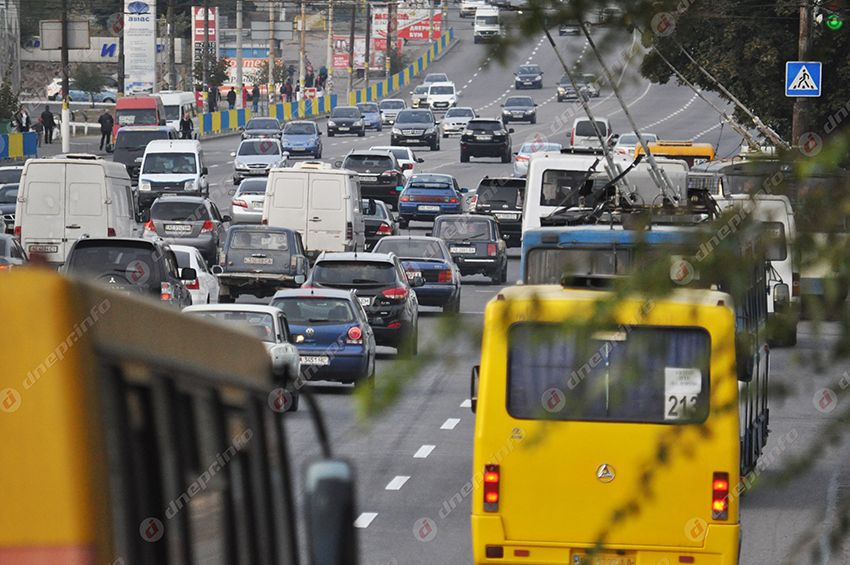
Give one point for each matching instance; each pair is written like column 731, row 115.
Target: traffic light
column 833, row 22
column 830, row 13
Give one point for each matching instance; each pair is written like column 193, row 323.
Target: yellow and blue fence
column 228, row 120
column 18, row 145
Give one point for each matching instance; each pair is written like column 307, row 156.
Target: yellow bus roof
column 697, row 297
column 672, row 147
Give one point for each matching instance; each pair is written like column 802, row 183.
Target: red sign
column 198, row 23
column 413, row 23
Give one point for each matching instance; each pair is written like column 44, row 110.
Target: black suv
column 382, row 288
column 502, row 198
column 346, row 119
column 475, row 243
column 146, row 267
column 485, row 138
column 259, row 260
column 519, row 109
column 416, row 127
column 379, row 172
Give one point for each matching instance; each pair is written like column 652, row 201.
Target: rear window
column 262, row 124
column 8, row 194
column 137, row 140
column 317, row 310
column 179, row 211
column 500, row 194
column 261, row 147
column 560, row 187
column 430, row 181
column 259, row 324
column 473, row 230
column 411, row 248
column 184, row 261
column 354, row 273
column 639, row 374
column 372, row 108
column 122, row 261
column 370, row 162
column 253, row 186
column 584, row 128
column 488, row 125
column 548, row 266
column 10, row 175
column 775, row 247
column 263, row 240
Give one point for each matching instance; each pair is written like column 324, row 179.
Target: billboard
column 411, row 23
column 139, row 46
column 377, row 54
column 198, row 33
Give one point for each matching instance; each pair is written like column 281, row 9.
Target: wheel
column 402, row 224
column 380, row 127
column 475, row 40
column 225, row 299
column 464, row 157
column 435, row 145
column 410, row 343
column 534, row 120
column 330, row 133
column 295, row 397
column 318, row 154
column 506, row 158
column 503, row 276
column 453, row 307
column 361, row 133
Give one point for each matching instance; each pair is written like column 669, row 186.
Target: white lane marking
column 215, row 165
column 705, row 131
column 365, row 519
column 450, row 424
column 466, row 403
column 397, row 482
column 424, row 451
column 830, row 515
column 672, row 115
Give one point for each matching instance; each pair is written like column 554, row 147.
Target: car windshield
column 170, row 163
column 354, row 273
column 537, row 146
column 460, row 113
column 487, row 20
column 10, row 175
column 304, row 310
column 261, row 147
column 253, row 186
column 645, row 374
column 172, row 112
column 171, row 211
column 411, row 248
column 259, row 239
column 631, row 139
column 370, row 108
column 430, row 181
column 442, row 90
column 392, row 105
column 136, row 117
column 522, row 101
column 485, row 125
column 463, row 228
column 584, row 128
column 414, row 117
column 258, row 323
column 262, row 124
column 299, row 128
column 121, row 261
column 8, row 193
column 345, row 113
column 378, row 163
column 137, row 140
column 437, row 77
column 529, row 70
column 421, row 89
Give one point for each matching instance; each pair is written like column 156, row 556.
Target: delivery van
column 64, row 199
column 177, row 103
column 173, row 166
column 319, row 202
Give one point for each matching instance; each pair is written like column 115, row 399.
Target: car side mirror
column 329, row 508
column 205, row 171
column 473, row 388
column 188, row 274
column 226, row 218
column 337, row 164
column 535, row 105
column 417, row 281
column 463, row 190
column 511, row 130
column 217, row 269
column 420, row 160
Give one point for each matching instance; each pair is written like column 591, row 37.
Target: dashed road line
column 365, row 519
column 450, row 424
column 424, row 451
column 466, row 403
column 705, row 131
column 397, row 482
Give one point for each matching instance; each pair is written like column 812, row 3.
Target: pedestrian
column 49, row 124
column 23, row 120
column 244, row 96
column 255, row 98
column 38, row 128
column 231, row 98
column 287, row 88
column 106, row 122
column 212, row 98
column 186, row 126
column 283, row 92
column 199, row 99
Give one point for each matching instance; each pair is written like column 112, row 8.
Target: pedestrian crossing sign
column 803, row 79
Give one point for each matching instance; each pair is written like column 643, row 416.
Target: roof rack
column 582, row 151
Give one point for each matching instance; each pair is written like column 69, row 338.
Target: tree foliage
column 217, row 74
column 90, row 79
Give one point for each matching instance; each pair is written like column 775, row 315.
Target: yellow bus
column 609, row 441
column 134, row 434
column 687, row 151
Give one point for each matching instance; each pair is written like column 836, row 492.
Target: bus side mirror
column 473, row 388
column 329, row 509
column 745, row 356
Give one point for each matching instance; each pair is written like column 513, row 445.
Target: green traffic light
column 834, row 22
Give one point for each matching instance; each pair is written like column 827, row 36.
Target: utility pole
column 444, row 25
column 205, row 55
column 172, row 67
column 303, row 47
column 239, row 84
column 271, row 93
column 329, row 64
column 351, row 48
column 800, row 116
column 391, row 27
column 368, row 51
column 430, row 21
column 66, row 109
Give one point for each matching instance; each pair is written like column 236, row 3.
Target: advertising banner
column 377, row 54
column 412, row 23
column 198, row 34
column 139, row 46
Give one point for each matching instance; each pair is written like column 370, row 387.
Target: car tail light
column 405, row 199
column 444, row 276
column 492, row 477
column 17, row 231
column 110, row 232
column 573, row 137
column 394, row 325
column 149, row 226
column 385, row 229
column 473, row 202
column 193, row 284
column 240, row 203
column 207, row 227
column 399, row 293
column 407, row 166
column 355, row 335
column 391, row 172
column 264, row 221
column 451, row 200
column 165, row 291
column 795, row 283
column 349, row 231
column 522, row 157
column 720, row 496
column 491, row 249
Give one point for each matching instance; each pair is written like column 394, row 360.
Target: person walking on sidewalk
column 255, row 98
column 106, row 122
column 231, row 98
column 49, row 124
column 186, row 126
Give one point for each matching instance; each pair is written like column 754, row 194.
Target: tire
column 380, row 128
column 435, row 145
column 403, row 224
column 409, row 346
column 475, row 40
column 503, row 276
column 506, row 158
column 453, row 307
column 464, row 157
column 533, row 120
column 330, row 133
column 361, row 133
column 295, row 401
column 225, row 299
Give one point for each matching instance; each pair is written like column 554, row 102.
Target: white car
column 405, row 157
column 431, row 78
column 626, row 143
column 204, row 289
column 390, row 107
column 455, row 120
column 441, row 96
column 418, row 96
column 468, row 7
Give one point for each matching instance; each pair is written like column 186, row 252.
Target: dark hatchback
column 379, row 173
column 130, row 144
column 259, row 260
column 187, row 220
column 133, row 266
column 428, row 195
column 416, row 127
column 382, row 289
column 379, row 221
column 476, row 245
column 528, row 76
column 346, row 119
column 502, row 198
column 486, row 138
column 429, row 258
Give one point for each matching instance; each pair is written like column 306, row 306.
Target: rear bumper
column 435, row 294
column 720, row 547
column 483, row 149
column 241, row 215
column 344, row 366
column 255, row 282
column 410, row 211
column 478, row 265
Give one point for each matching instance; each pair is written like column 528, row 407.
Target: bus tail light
column 492, row 478
column 720, row 496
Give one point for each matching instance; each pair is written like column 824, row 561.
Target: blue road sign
column 803, row 79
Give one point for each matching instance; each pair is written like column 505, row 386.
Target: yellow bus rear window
column 644, row 374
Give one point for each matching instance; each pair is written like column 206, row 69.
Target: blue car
column 302, row 138
column 426, row 196
column 371, row 115
column 332, row 334
column 429, row 258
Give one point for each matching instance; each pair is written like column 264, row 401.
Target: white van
column 63, row 199
column 488, row 24
column 319, row 202
column 177, row 103
column 583, row 133
column 172, row 166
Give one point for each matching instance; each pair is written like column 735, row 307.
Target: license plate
column 369, row 178
column 413, row 274
column 504, row 216
column 258, row 260
column 180, row 228
column 429, row 208
column 258, row 205
column 44, row 248
column 518, row 115
column 526, row 82
column 483, row 137
column 365, row 300
column 466, row 250
column 609, row 559
column 342, row 128
column 299, row 149
column 315, row 360
column 408, row 132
